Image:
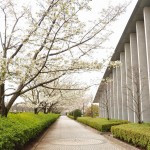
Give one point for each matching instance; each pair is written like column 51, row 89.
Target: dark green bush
column 100, row 124
column 18, row 129
column 137, row 134
column 75, row 113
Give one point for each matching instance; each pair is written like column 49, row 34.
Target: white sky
column 118, row 28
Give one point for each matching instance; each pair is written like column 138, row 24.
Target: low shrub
column 137, row 134
column 100, row 124
column 72, row 117
column 18, row 129
column 75, row 113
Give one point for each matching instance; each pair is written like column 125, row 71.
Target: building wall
column 128, row 89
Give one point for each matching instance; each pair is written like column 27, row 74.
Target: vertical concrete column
column 111, row 95
column 116, row 104
column 134, row 72
column 100, row 111
column 114, row 94
column 143, row 70
column 147, row 38
column 123, row 87
column 106, row 89
column 100, row 105
column 108, row 97
column 103, row 102
column 119, row 97
column 129, row 82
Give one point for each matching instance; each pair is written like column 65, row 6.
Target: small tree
column 105, row 100
column 92, row 111
column 135, row 93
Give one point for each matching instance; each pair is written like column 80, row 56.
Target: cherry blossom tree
column 57, row 94
column 46, row 39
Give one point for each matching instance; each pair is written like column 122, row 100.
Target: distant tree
column 62, row 94
column 92, row 111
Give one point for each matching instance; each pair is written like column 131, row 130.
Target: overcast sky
column 118, row 28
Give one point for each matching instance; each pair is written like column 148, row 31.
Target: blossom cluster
column 114, row 64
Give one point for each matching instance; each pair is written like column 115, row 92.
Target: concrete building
column 128, row 87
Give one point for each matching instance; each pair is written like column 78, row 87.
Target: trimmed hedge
column 18, row 129
column 100, row 124
column 71, row 117
column 137, row 134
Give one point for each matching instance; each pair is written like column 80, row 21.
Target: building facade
column 124, row 92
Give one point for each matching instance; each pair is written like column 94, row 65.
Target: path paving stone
column 67, row 134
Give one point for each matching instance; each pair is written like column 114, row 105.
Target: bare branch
column 41, row 84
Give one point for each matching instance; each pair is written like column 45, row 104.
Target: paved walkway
column 67, row 134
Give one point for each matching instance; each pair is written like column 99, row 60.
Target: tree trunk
column 4, row 112
column 92, row 111
column 45, row 110
column 35, row 111
column 108, row 118
column 12, row 100
column 2, row 103
column 50, row 108
column 139, row 111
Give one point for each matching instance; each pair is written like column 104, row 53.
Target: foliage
column 100, row 124
column 114, row 64
column 44, row 41
column 137, row 134
column 92, row 111
column 72, row 117
column 18, row 129
column 76, row 113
